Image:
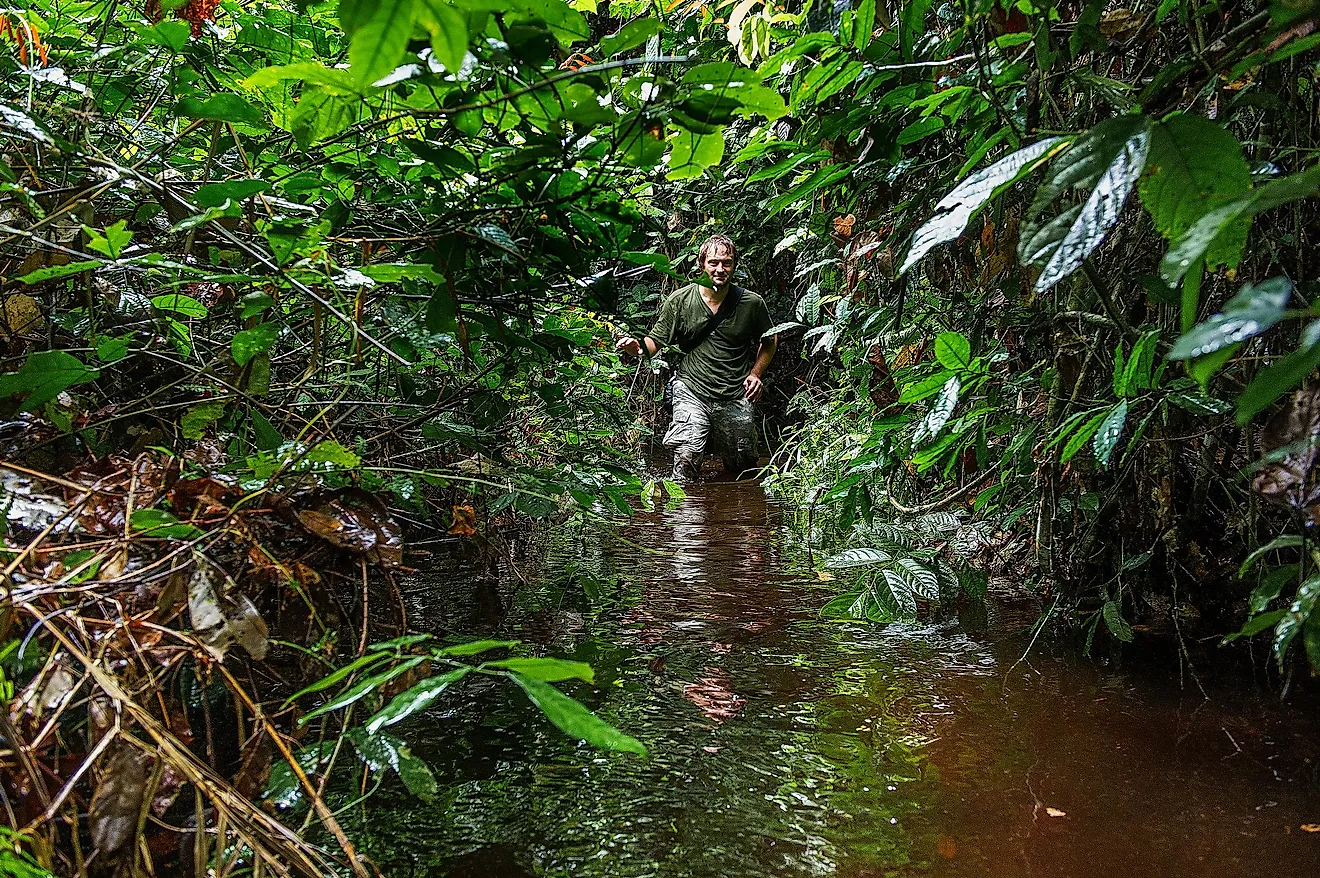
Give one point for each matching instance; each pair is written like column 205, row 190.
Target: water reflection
column 785, row 746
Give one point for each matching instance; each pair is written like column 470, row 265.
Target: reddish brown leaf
column 465, row 521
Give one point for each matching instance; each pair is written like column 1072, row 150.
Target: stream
column 785, row 745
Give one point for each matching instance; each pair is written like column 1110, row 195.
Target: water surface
column 785, row 745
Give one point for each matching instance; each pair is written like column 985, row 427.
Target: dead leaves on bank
column 1291, row 442
column 128, row 627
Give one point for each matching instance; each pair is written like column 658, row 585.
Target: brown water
column 785, row 745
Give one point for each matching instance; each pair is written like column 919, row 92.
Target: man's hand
column 628, row 346
column 752, row 387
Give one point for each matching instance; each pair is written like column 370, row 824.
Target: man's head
column 717, row 258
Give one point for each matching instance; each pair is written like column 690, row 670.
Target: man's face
column 719, row 265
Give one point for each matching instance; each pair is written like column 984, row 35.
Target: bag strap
column 726, row 308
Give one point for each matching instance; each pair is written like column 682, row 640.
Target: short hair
column 717, row 242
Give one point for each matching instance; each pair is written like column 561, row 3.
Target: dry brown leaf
column 1055, row 812
column 465, row 521
column 118, row 798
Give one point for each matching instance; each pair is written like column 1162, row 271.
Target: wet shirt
column 714, row 369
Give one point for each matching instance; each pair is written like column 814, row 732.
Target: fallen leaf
column 118, row 798
column 1310, row 827
column 356, row 520
column 465, row 519
column 222, row 617
column 946, row 847
column 1055, row 812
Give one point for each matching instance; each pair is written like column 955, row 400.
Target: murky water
column 784, row 745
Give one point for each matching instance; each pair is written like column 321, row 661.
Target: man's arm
column 752, row 385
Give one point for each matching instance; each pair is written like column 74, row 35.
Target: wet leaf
column 381, row 750
column 359, row 522
column 414, row 700
column 247, row 343
column 476, row 647
column 1114, row 621
column 1108, row 433
column 26, row 506
column 1253, row 310
column 1108, row 160
column 1290, row 624
column 337, row 676
column 161, row 524
column 574, row 719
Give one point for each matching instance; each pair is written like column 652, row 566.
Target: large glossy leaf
column 901, row 586
column 1253, row 310
column 956, row 209
column 415, row 699
column 1114, row 621
column 1192, row 245
column 953, row 350
column 448, row 27
column 857, row 558
column 574, row 719
column 1194, row 167
column 1107, row 160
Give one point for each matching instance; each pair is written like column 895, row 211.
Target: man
column 724, row 358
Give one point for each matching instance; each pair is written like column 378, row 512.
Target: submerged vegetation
column 296, row 292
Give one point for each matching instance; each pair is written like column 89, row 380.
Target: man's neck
column 715, row 294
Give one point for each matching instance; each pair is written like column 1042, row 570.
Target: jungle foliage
column 283, row 280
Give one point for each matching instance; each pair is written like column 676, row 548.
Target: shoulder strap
column 726, row 308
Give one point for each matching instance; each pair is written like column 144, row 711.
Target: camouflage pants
column 699, row 426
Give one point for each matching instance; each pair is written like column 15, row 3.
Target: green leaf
column 1280, row 376
column 162, row 524
column 112, row 349
column 414, row 700
column 1200, row 403
column 476, row 647
column 1194, row 167
column 1108, row 160
column 331, row 452
column 1106, row 437
column 1114, row 621
column 221, row 107
column 195, row 421
column 575, row 720
column 266, row 437
column 172, row 35
column 449, row 33
column 693, row 153
column 863, row 24
column 43, row 376
column 940, row 412
column 380, row 751
column 179, row 304
column 216, row 194
column 337, row 676
column 247, row 343
column 630, row 36
column 1139, row 372
column 112, row 242
column 55, row 272
column 551, row 670
column 1192, row 245
column 925, row 388
column 953, row 351
column 955, row 210
column 255, row 303
column 857, row 558
column 846, row 606
column 331, row 79
column 1288, row 541
column 1257, row 624
column 920, row 130
column 378, row 46
column 1271, row 586
column 1080, row 438
column 1298, row 612
column 363, row 688
column 1253, row 310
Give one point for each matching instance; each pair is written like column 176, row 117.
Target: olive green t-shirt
column 714, row 369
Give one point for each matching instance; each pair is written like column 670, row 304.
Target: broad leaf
column 179, row 304
column 378, row 46
column 573, row 719
column 380, row 751
column 247, row 343
column 43, row 376
column 1106, row 436
column 857, row 558
column 551, row 670
column 1108, row 160
column 940, row 412
column 956, row 209
column 1194, row 167
column 1252, row 311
